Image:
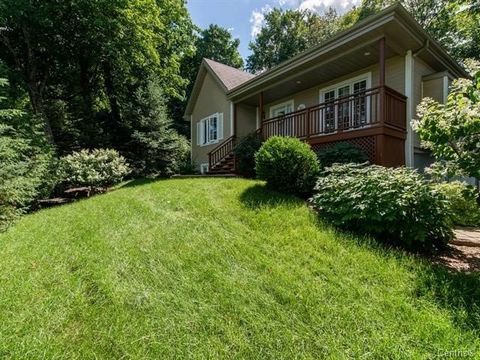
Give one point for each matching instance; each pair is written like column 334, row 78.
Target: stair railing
column 221, row 152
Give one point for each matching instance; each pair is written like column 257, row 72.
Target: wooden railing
column 380, row 105
column 221, row 151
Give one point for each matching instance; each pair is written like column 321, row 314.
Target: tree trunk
column 112, row 95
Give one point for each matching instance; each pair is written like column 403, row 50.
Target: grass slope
column 218, row 268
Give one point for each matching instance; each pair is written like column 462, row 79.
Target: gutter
column 425, row 46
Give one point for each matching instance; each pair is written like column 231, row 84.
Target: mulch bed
column 70, row 195
column 463, row 253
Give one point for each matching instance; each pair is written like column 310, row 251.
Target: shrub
column 287, row 165
column 462, row 201
column 341, row 153
column 396, row 205
column 26, row 170
column 95, row 168
column 245, row 154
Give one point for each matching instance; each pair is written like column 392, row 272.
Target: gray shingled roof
column 229, row 76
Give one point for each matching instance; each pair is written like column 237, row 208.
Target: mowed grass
column 219, row 268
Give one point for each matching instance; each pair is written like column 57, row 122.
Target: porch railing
column 221, row 151
column 375, row 106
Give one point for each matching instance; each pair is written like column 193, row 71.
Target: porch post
column 261, row 111
column 381, row 52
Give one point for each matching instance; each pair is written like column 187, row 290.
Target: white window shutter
column 220, row 126
column 199, row 133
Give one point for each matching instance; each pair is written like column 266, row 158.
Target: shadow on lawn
column 259, row 196
column 456, row 292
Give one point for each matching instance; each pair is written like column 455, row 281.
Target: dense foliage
column 462, row 201
column 286, row 33
column 341, row 153
column 397, row 205
column 26, row 163
column 452, row 130
column 245, row 154
column 287, row 165
column 92, row 168
column 79, row 62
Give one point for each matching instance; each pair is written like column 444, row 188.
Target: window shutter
column 199, row 133
column 220, row 126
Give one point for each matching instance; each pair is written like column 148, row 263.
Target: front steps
column 226, row 166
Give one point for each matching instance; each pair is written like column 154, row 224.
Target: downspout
column 425, row 46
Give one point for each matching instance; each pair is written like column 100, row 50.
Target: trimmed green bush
column 287, row 165
column 396, row 205
column 341, row 153
column 462, row 201
column 94, row 168
column 245, row 154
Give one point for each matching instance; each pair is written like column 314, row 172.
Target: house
column 361, row 86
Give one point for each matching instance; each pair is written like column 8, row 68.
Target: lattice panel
column 366, row 144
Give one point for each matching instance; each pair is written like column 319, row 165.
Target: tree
column 452, row 130
column 80, row 60
column 215, row 43
column 454, row 23
column 286, row 33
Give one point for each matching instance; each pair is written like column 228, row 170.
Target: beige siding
column 211, row 100
column 246, row 120
column 434, row 89
column 421, row 69
column 394, row 78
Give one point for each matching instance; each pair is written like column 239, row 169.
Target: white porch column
column 409, row 81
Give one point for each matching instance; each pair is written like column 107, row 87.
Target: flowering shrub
column 396, row 205
column 96, row 168
column 452, row 130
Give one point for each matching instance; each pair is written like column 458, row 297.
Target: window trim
column 366, row 76
column 290, row 102
column 219, row 117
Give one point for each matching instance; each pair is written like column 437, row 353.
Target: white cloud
column 257, row 19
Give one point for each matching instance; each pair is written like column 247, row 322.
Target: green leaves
column 287, row 165
column 396, row 205
column 452, row 130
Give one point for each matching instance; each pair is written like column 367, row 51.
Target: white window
column 204, row 168
column 346, row 107
column 210, row 130
column 281, row 109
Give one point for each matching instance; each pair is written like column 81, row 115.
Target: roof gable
column 226, row 76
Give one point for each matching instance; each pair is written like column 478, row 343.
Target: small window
column 210, row 130
column 281, row 109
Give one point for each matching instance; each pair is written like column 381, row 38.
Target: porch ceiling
column 357, row 59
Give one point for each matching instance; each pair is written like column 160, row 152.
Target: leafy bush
column 26, row 161
column 26, row 169
column 245, row 154
column 397, row 205
column 95, row 168
column 462, row 200
column 287, row 165
column 341, row 153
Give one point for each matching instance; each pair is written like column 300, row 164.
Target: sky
column 244, row 18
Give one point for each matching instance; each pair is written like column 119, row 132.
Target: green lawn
column 217, row 268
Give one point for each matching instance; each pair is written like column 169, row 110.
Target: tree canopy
column 287, row 33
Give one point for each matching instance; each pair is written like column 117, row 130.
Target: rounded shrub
column 341, row 153
column 245, row 154
column 462, row 201
column 396, row 205
column 287, row 165
column 94, row 168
